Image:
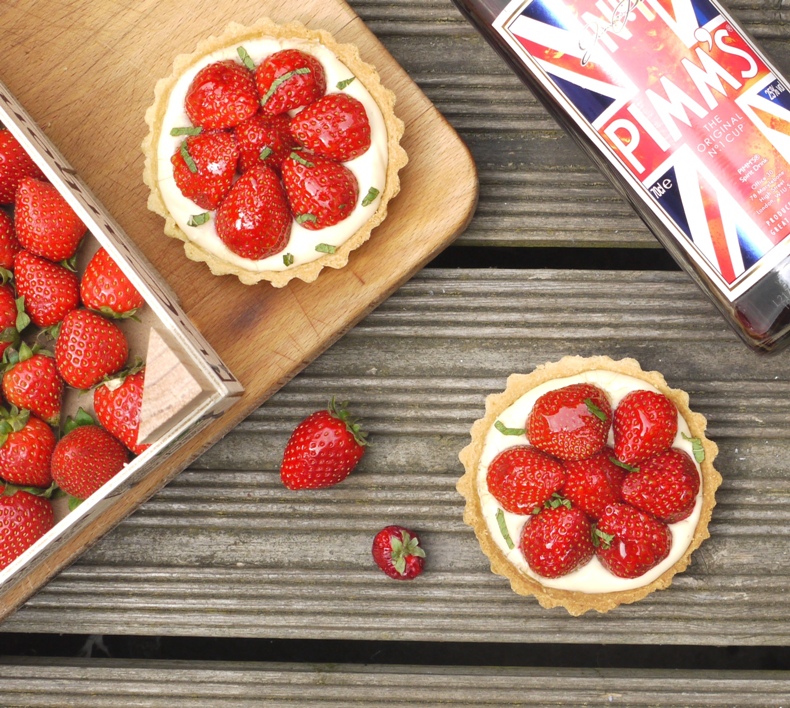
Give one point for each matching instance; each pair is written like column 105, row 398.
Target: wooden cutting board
column 86, row 69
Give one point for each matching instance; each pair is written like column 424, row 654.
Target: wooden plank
column 84, row 683
column 225, row 550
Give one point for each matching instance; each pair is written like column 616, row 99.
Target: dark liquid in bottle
column 760, row 312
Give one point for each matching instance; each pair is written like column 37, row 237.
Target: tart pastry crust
column 577, row 603
column 348, row 54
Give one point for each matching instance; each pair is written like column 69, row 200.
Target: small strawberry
column 86, row 457
column 289, row 79
column 594, row 483
column 630, row 541
column 117, row 405
column 221, row 95
column 204, row 167
column 557, row 540
column 571, row 422
column 13, row 318
column 15, row 164
column 522, row 478
column 264, row 139
column 26, row 445
column 335, row 126
column 106, row 289
column 665, row 486
column 45, row 223
column 49, row 289
column 322, row 450
column 254, row 221
column 31, row 381
column 88, row 348
column 398, row 553
column 24, row 518
column 9, row 245
column 645, row 423
column 321, row 192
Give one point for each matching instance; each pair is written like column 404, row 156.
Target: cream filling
column 370, row 169
column 592, row 577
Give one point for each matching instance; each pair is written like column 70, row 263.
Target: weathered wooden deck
column 226, row 551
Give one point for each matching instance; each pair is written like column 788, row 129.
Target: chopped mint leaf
column 325, row 248
column 344, row 84
column 199, row 219
column 265, row 153
column 306, row 217
column 500, row 519
column 370, row 196
column 246, row 59
column 296, row 156
column 288, row 259
column 500, row 426
column 597, row 412
column 626, row 467
column 188, row 130
column 280, row 80
column 601, row 538
column 696, row 447
column 188, row 158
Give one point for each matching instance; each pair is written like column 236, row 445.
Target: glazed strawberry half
column 221, row 95
column 24, row 518
column 264, row 139
column 204, row 167
column 335, row 126
column 645, row 423
column 289, row 79
column 522, row 478
column 594, row 483
column 398, row 553
column 571, row 422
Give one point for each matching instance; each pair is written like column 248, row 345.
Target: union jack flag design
column 685, row 105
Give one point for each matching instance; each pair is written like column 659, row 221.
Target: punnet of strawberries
column 58, row 331
column 266, row 149
column 579, row 497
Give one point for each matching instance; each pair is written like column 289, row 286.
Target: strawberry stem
column 339, row 411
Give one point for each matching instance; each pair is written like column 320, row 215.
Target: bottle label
column 684, row 107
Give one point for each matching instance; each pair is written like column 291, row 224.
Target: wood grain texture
column 158, row 684
column 226, row 550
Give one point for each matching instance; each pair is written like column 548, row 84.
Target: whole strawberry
column 24, row 518
column 15, row 164
column 630, row 541
column 221, row 95
column 321, row 192
column 12, row 318
column 522, row 478
column 26, row 445
column 571, row 422
column 49, row 289
column 9, row 245
column 45, row 223
column 557, row 540
column 398, row 553
column 254, row 221
column 31, row 381
column 592, row 484
column 335, row 126
column 264, row 139
column 204, row 167
column 117, row 405
column 85, row 458
column 665, row 486
column 645, row 423
column 322, row 450
column 289, row 79
column 105, row 288
column 88, row 348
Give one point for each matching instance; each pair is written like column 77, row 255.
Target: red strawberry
column 665, row 486
column 26, row 445
column 204, row 167
column 85, row 459
column 289, row 79
column 397, row 552
column 322, row 450
column 117, row 404
column 31, row 381
column 15, row 164
column 106, row 289
column 593, row 484
column 336, row 127
column 221, row 95
column 321, row 192
column 24, row 518
column 254, row 221
column 630, row 541
column 570, row 422
column 49, row 289
column 9, row 245
column 522, row 478
column 89, row 347
column 264, row 139
column 11, row 319
column 556, row 541
column 645, row 423
column 45, row 223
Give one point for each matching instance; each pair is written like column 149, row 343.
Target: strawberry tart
column 589, row 483
column 273, row 152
